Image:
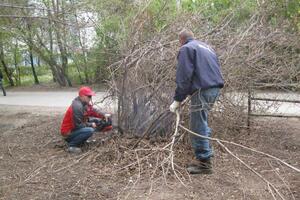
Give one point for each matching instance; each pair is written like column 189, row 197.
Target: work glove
column 174, row 106
column 107, row 116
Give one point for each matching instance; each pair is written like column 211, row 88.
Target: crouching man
column 81, row 120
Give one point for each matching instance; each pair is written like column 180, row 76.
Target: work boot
column 75, row 150
column 201, row 167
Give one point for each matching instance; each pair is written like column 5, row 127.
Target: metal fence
column 252, row 97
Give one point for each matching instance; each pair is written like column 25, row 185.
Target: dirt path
column 48, row 101
column 35, row 165
column 62, row 99
column 46, row 98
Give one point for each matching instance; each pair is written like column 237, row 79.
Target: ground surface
column 48, row 97
column 34, row 163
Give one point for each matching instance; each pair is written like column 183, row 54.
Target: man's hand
column 174, row 106
column 107, row 116
column 94, row 125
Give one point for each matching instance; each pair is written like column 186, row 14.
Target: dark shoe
column 194, row 164
column 90, row 141
column 75, row 150
column 201, row 167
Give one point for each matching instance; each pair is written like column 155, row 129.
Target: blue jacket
column 198, row 67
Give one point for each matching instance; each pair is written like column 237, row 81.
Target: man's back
column 200, row 61
column 207, row 67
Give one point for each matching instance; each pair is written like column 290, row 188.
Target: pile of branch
column 253, row 54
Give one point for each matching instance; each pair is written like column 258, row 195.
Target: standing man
column 76, row 126
column 198, row 74
column 1, row 84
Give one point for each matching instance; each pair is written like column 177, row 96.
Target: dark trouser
column 78, row 137
column 201, row 103
column 2, row 88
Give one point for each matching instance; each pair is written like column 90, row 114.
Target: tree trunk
column 51, row 43
column 36, row 80
column 41, row 49
column 5, row 67
column 78, row 70
column 38, row 61
column 50, row 60
column 84, row 53
column 61, row 43
column 18, row 75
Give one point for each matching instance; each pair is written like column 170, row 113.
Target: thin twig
column 172, row 144
column 250, row 168
column 242, row 146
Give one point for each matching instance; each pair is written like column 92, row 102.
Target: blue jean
column 201, row 103
column 79, row 136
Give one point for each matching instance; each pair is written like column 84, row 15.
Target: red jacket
column 76, row 116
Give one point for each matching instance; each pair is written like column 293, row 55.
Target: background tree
column 76, row 40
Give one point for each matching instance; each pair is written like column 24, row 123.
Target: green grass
column 45, row 75
column 29, row 80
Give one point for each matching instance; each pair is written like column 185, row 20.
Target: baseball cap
column 86, row 91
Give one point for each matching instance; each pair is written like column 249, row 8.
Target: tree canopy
column 74, row 41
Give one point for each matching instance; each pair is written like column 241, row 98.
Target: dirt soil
column 34, row 163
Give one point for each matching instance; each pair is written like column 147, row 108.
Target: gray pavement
column 57, row 100
column 60, row 100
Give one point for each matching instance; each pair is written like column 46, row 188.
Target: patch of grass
column 29, row 80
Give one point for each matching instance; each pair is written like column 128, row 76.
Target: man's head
column 85, row 94
column 184, row 35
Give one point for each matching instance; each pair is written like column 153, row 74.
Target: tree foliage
column 78, row 39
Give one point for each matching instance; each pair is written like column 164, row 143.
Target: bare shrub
column 253, row 55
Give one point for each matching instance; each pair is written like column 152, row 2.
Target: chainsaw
column 102, row 124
